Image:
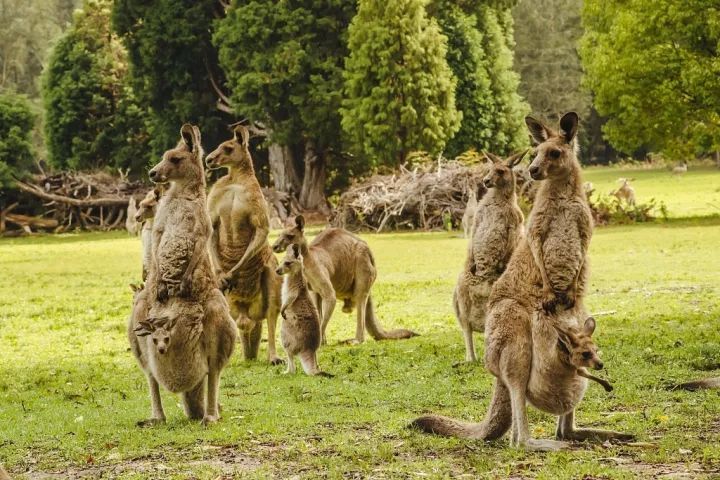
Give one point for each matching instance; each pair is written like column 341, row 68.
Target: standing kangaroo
column 339, row 265
column 497, row 231
column 547, row 272
column 239, row 245
column 181, row 286
column 145, row 215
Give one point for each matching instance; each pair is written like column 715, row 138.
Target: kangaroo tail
column 707, row 383
column 375, row 329
column 497, row 420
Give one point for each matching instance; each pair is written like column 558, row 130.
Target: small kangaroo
column 130, row 223
column 543, row 283
column 469, row 214
column 497, row 231
column 300, row 331
column 183, row 349
column 239, row 246
column 180, row 264
column 578, row 349
column 626, row 191
column 145, row 215
column 339, row 265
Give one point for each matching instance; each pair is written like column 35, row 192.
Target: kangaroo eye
column 227, row 149
column 166, row 339
column 554, row 154
column 587, row 355
column 175, row 160
column 155, row 341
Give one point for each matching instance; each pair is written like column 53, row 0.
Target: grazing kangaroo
column 497, row 231
column 300, row 331
column 180, row 264
column 469, row 214
column 239, row 245
column 183, row 349
column 145, row 215
column 339, row 265
column 548, row 270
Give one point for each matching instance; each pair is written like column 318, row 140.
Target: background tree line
column 335, row 89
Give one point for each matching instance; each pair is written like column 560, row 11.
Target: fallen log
column 75, row 202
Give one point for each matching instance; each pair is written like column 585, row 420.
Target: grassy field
column 70, row 391
column 694, row 194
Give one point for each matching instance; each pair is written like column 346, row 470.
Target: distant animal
column 526, row 187
column 589, row 189
column 182, row 348
column 469, row 214
column 543, row 283
column 680, row 169
column 239, row 246
column 145, row 216
column 339, row 265
column 300, row 331
column 497, row 231
column 626, row 191
column 578, row 350
column 130, row 223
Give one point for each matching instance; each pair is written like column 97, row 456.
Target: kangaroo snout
column 535, row 173
column 487, row 183
column 279, row 271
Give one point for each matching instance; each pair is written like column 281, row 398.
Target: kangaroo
column 497, row 231
column 145, row 215
column 130, row 223
column 300, row 331
column 339, row 265
column 240, row 250
column 469, row 214
column 577, row 349
column 625, row 192
column 680, row 169
column 183, row 349
column 180, row 264
column 706, row 383
column 547, row 271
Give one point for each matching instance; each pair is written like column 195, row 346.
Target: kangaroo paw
column 535, row 445
column 150, row 422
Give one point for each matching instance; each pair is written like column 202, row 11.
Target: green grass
column 70, row 391
column 694, row 194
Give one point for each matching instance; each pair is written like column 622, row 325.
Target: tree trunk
column 283, row 169
column 312, row 194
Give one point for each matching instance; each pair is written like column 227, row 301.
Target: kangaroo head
column 501, row 174
column 293, row 261
column 294, row 234
column 182, row 164
column 148, row 205
column 555, row 149
column 578, row 345
column 160, row 331
column 233, row 153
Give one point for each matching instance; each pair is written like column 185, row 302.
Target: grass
column 70, row 391
column 694, row 194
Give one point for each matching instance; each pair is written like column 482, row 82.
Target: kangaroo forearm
column 197, row 253
column 256, row 244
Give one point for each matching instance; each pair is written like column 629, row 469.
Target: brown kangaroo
column 339, row 265
column 145, row 215
column 497, row 231
column 578, row 349
column 239, row 246
column 548, row 270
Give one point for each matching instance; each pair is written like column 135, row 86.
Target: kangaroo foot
column 210, row 419
column 535, row 445
column 150, row 422
column 276, row 361
column 351, row 341
column 347, row 305
column 596, row 435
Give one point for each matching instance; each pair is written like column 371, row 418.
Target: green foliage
column 655, row 72
column 400, row 92
column 16, row 124
column 486, row 94
column 284, row 63
column 92, row 119
column 172, row 64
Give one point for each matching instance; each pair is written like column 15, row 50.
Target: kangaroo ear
column 187, row 136
column 517, row 158
column 491, row 157
column 538, row 131
column 589, row 326
column 241, row 135
column 144, row 328
column 569, row 126
column 300, row 222
column 564, row 337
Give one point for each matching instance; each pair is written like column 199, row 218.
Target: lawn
column 696, row 193
column 70, row 391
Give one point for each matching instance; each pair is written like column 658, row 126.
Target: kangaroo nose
column 278, row 271
column 599, row 366
column 152, row 174
column 487, row 183
column 534, row 171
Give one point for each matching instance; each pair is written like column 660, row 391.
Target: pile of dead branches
column 68, row 201
column 428, row 198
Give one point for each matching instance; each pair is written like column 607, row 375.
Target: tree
column 174, row 69
column 16, row 124
column 283, row 62
column 92, row 119
column 400, row 91
column 486, row 92
column 654, row 69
